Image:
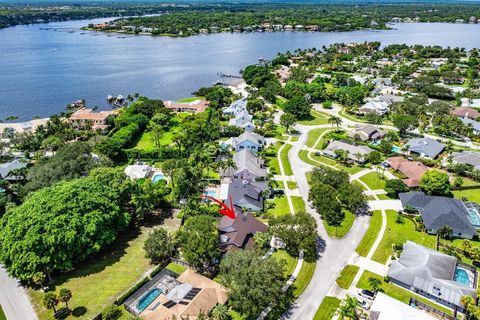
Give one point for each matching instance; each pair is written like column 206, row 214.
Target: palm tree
column 65, row 295
column 230, row 166
column 347, row 309
column 443, row 233
column 466, row 246
column 335, row 120
column 220, row 312
column 50, row 301
column 359, row 156
column 467, row 301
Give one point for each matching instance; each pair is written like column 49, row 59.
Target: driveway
column 385, row 205
column 14, row 299
column 334, row 253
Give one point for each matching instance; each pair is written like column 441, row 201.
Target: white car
column 364, row 304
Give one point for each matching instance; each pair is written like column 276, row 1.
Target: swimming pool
column 396, row 149
column 461, row 276
column 148, row 298
column 158, row 176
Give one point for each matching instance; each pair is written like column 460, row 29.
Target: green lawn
column 303, row 278
column 292, row 185
column 2, row 315
column 374, row 180
column 290, row 262
column 340, row 232
column 315, row 118
column 345, row 278
column 191, row 99
column 298, row 204
column 327, row 309
column 272, row 161
column 371, row 234
column 399, row 233
column 97, row 284
column 175, row 267
column 470, row 190
column 146, row 140
column 396, row 292
column 313, row 136
column 287, row 168
column 280, row 207
column 303, row 154
column 384, row 197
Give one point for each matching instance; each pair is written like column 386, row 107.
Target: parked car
column 367, row 294
column 364, row 304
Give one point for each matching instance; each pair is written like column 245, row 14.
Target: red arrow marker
column 226, row 211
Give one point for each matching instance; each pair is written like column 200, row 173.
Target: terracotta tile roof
column 412, row 169
column 89, row 114
column 465, row 112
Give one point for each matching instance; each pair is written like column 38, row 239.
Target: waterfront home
column 288, row 27
column 434, row 275
column 465, row 112
column 425, row 147
column 171, row 296
column 235, row 107
column 83, row 117
column 376, row 107
column 413, row 170
column 249, row 141
column 277, row 27
column 387, row 308
column 299, row 27
column 244, row 195
column 214, row 29
column 472, row 20
column 283, row 74
column 138, row 171
column 248, row 167
column 367, row 132
column 239, row 233
column 353, row 151
column 473, row 124
column 459, row 21
column 312, row 27
column 438, row 211
column 7, row 167
column 195, row 106
column 469, row 158
column 396, row 20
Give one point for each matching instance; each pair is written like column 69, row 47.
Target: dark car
column 367, row 294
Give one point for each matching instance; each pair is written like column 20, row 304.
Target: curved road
column 334, row 253
column 14, row 299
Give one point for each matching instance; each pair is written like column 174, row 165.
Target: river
column 41, row 71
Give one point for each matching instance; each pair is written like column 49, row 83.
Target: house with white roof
column 243, row 120
column 249, row 141
column 236, row 107
column 387, row 308
column 138, row 171
column 372, row 106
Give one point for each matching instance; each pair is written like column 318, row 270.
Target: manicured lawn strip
column 327, row 309
column 315, row 118
column 291, row 262
column 304, row 277
column 373, row 180
column 399, row 233
column 303, row 154
column 175, row 267
column 97, row 284
column 294, row 139
column 287, row 168
column 384, row 197
column 2, row 315
column 272, row 161
column 396, row 292
column 292, row 185
column 345, row 278
column 471, row 194
column 298, row 204
column 280, row 208
column 191, row 99
column 371, row 234
column 313, row 136
column 324, row 160
column 340, row 232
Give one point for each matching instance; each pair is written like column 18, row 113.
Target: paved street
column 14, row 299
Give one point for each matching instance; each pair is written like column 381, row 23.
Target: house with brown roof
column 83, row 117
column 367, row 132
column 465, row 112
column 194, row 106
column 414, row 170
column 238, row 233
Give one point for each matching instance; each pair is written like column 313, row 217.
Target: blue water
column 157, row 177
column 44, row 70
column 396, row 149
column 148, row 299
column 461, row 276
column 210, row 193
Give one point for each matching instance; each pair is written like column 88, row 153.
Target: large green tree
column 435, row 182
column 199, row 241
column 299, row 107
column 58, row 226
column 159, row 246
column 253, row 282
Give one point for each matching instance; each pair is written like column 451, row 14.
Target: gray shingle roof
column 246, row 160
column 351, row 148
column 425, row 146
column 439, row 211
column 250, row 136
column 467, row 157
column 430, row 271
column 245, row 193
column 6, row 167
